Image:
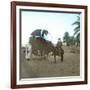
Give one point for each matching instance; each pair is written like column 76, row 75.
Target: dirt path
column 46, row 68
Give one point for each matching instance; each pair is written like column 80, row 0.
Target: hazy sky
column 56, row 24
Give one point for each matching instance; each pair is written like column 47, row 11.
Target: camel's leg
column 61, row 57
column 54, row 58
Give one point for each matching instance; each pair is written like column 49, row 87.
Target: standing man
column 59, row 43
column 59, row 47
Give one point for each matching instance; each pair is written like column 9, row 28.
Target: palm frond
column 76, row 23
column 78, row 35
column 78, row 18
column 77, row 28
column 77, row 31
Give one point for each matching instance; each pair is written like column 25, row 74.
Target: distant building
column 64, row 44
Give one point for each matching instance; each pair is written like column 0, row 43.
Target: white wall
column 5, row 45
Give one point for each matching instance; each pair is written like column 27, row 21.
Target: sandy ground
column 37, row 67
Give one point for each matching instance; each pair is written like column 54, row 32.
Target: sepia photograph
column 49, row 44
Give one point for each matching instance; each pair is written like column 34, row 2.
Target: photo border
column 13, row 44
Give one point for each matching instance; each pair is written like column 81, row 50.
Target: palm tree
column 77, row 29
column 66, row 38
column 72, row 40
